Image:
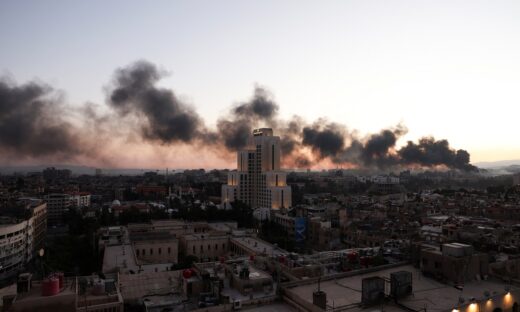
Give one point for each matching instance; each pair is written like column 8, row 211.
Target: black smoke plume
column 31, row 123
column 325, row 139
column 429, row 152
column 261, row 107
column 162, row 116
column 378, row 149
column 236, row 128
column 291, row 143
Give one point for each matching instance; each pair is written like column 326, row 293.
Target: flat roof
column 136, row 286
column 235, row 294
column 254, row 273
column 427, row 293
column 119, row 256
column 65, row 299
column 259, row 246
column 223, row 226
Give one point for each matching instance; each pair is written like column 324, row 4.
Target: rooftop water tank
column 50, row 286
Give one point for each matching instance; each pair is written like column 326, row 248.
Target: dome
column 116, row 203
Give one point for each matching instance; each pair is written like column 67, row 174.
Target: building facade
column 80, row 199
column 155, row 247
column 205, row 246
column 57, row 206
column 258, row 181
column 20, row 240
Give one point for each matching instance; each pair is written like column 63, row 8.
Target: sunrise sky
column 450, row 69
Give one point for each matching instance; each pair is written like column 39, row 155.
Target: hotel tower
column 258, row 180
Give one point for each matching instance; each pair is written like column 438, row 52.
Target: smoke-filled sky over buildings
column 371, row 84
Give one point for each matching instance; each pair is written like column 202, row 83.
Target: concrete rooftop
column 427, row 293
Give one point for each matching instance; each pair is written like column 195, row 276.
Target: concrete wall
column 157, row 251
column 209, row 246
column 454, row 269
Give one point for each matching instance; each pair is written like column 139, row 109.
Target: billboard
column 300, row 229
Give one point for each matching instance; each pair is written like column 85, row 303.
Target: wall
column 157, row 251
column 208, row 246
column 454, row 269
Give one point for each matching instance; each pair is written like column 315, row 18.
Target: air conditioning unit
column 237, row 304
column 400, row 284
column 373, row 290
column 24, row 283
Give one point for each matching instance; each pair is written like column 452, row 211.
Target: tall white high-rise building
column 258, row 180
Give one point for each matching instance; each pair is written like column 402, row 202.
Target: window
column 159, row 250
column 272, row 158
column 169, row 250
column 216, row 246
column 144, row 252
column 209, row 247
column 193, row 248
column 137, row 252
column 201, row 248
column 151, row 251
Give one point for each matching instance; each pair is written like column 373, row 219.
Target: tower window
column 272, row 157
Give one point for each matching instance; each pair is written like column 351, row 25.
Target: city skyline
column 451, row 75
column 295, row 155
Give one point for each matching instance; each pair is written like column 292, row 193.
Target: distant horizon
column 481, row 165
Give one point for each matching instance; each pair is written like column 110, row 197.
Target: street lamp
column 41, row 253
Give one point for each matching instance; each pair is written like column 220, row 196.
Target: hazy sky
column 445, row 68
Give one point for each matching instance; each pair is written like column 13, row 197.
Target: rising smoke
column 429, row 152
column 161, row 115
column 325, row 139
column 235, row 129
column 32, row 124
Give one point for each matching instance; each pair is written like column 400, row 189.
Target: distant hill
column 513, row 168
column 503, row 167
column 498, row 164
